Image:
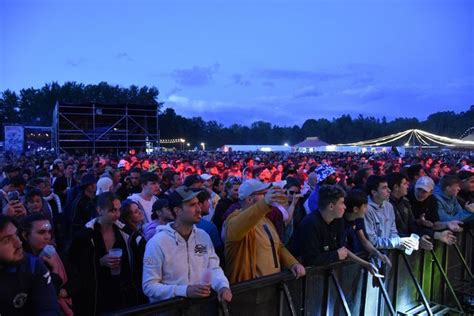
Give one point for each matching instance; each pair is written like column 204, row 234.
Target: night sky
column 243, row 61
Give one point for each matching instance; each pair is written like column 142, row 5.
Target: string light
column 420, row 135
column 172, row 141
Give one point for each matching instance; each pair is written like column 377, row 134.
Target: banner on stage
column 14, row 138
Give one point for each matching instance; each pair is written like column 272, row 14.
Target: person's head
column 161, row 211
column 249, row 163
column 104, row 184
column 356, row 204
column 36, row 231
column 207, row 181
column 232, row 185
column 13, row 184
column 292, row 187
column 11, row 250
column 423, row 188
column 193, row 181
column 331, row 200
column 135, row 177
column 116, row 176
column 88, row 184
column 434, row 172
column 185, row 204
column 204, row 202
column 377, row 188
column 445, row 168
column 150, row 183
column 326, row 174
column 26, row 174
column 34, row 201
column 361, row 176
column 466, row 181
column 108, row 207
column 415, row 171
column 449, row 184
column 175, row 180
column 398, row 184
column 131, row 214
column 69, row 170
column 218, row 185
column 252, row 191
column 211, row 168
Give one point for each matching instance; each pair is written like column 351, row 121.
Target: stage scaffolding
column 105, row 128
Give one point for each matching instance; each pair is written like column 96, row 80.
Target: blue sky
column 242, row 61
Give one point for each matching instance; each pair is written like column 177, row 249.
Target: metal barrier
column 434, row 282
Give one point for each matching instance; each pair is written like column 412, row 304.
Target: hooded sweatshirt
column 171, row 264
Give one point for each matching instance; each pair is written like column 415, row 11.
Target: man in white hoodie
column 180, row 259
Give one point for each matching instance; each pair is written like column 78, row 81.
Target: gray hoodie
column 171, row 263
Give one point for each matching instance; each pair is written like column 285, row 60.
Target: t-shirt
column 350, row 234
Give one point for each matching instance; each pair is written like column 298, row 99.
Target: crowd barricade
column 426, row 282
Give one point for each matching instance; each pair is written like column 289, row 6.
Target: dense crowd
column 86, row 234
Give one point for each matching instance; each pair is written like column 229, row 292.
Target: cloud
column 238, row 79
column 123, row 56
column 289, row 74
column 268, row 84
column 76, row 62
column 306, row 92
column 366, row 93
column 196, row 76
column 174, row 90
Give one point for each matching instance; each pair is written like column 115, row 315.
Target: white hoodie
column 171, row 263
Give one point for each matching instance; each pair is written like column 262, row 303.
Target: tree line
column 33, row 106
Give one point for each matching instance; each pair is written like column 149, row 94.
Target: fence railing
column 423, row 282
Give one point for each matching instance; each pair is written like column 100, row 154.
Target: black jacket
column 99, row 291
column 317, row 242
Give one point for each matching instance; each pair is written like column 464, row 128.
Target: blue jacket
column 26, row 289
column 449, row 208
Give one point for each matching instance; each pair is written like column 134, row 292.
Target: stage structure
column 105, row 128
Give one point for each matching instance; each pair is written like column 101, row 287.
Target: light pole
column 203, row 146
column 182, row 144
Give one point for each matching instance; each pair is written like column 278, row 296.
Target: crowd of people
column 86, row 235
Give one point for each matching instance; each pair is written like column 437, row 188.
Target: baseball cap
column 191, row 179
column 206, row 176
column 122, row 164
column 249, row 187
column 180, row 195
column 425, row 183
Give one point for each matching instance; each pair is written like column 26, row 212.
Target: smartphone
column 13, row 196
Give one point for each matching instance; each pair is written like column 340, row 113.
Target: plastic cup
column 206, row 277
column 115, row 252
column 416, row 239
column 48, row 251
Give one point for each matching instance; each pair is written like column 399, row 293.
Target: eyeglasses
column 293, row 192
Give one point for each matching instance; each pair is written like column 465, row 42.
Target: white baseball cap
column 249, row 187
